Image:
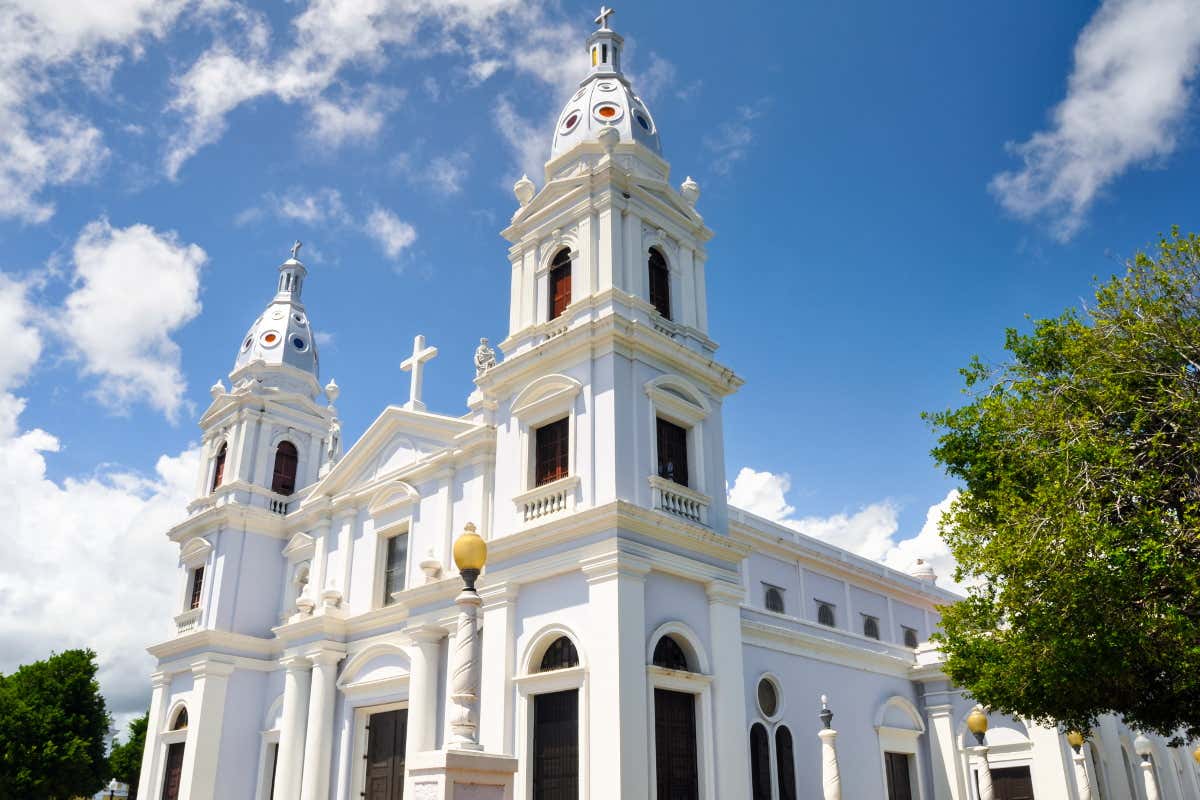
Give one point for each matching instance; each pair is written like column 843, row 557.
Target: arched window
column 774, row 599
column 786, row 766
column 669, row 655
column 660, row 283
column 181, row 720
column 560, row 283
column 286, row 460
column 173, row 768
column 910, row 637
column 760, row 763
column 561, row 654
column 870, row 627
column 825, row 614
column 219, row 467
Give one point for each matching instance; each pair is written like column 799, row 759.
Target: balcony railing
column 679, row 500
column 187, row 621
column 553, row 498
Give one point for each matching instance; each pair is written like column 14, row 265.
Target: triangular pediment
column 299, row 547
column 398, row 438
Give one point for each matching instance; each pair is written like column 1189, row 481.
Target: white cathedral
column 636, row 636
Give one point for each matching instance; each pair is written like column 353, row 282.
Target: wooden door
column 899, row 783
column 386, row 733
column 1012, row 783
column 556, row 746
column 173, row 772
column 677, row 772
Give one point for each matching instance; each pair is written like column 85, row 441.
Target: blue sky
column 890, row 186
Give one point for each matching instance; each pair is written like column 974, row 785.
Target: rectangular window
column 910, row 636
column 560, row 289
column 825, row 614
column 899, row 784
column 870, row 626
column 773, row 598
column 197, row 586
column 672, row 452
column 394, row 566
column 551, row 449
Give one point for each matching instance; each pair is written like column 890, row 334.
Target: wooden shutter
column 197, row 586
column 286, row 460
column 556, row 746
column 672, row 452
column 676, row 769
column 899, row 784
column 760, row 763
column 393, row 572
column 660, row 283
column 551, row 448
column 219, row 468
column 560, row 284
column 385, row 755
column 1012, row 783
column 173, row 771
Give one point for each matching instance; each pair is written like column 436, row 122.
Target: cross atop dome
column 602, row 20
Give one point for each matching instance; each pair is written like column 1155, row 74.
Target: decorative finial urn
column 524, row 190
column 690, row 190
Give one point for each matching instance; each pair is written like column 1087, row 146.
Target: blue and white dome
column 282, row 334
column 605, row 99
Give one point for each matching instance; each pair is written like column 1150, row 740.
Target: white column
column 618, row 718
column 1082, row 780
column 985, row 772
column 1148, row 779
column 148, row 779
column 206, row 713
column 943, row 759
column 292, row 728
column 831, row 779
column 728, row 689
column 425, row 658
column 499, row 655
column 318, row 742
column 464, row 676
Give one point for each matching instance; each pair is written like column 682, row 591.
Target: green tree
column 53, row 725
column 125, row 760
column 1078, row 524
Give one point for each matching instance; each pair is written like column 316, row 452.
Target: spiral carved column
column 465, row 675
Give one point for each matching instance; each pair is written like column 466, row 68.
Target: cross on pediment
column 296, row 249
column 416, row 365
column 602, row 20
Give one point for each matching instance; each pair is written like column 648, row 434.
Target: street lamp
column 831, row 779
column 1144, row 747
column 1082, row 779
column 470, row 554
column 977, row 724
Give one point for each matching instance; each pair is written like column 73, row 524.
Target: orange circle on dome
column 269, row 338
column 607, row 111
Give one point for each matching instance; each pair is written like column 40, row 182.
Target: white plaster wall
column 828, row 590
column 241, row 734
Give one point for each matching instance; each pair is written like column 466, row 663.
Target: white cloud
column 44, row 46
column 390, row 232
column 731, row 141
column 1127, row 97
column 335, row 124
column 133, row 289
column 528, row 141
column 444, row 174
column 22, row 341
column 871, row 531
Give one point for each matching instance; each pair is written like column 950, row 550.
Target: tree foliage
column 1079, row 523
column 125, row 760
column 53, row 724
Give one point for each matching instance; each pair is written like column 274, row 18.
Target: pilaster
column 149, row 777
column 206, row 713
column 318, row 742
column 499, row 663
column 296, row 684
column 939, row 715
column 425, row 661
column 728, row 689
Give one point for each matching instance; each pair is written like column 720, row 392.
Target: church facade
column 641, row 638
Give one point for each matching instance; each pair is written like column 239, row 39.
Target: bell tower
column 610, row 390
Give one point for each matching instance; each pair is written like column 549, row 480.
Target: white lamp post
column 1075, row 739
column 977, row 724
column 1144, row 747
column 470, row 554
column 831, row 780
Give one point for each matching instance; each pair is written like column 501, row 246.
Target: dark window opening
column 286, row 460
column 219, row 467
column 899, row 782
column 197, row 586
column 561, row 654
column 786, row 766
column 556, row 746
column 552, row 446
column 672, row 452
column 870, row 627
column 560, row 284
column 675, row 763
column 393, row 572
column 825, row 614
column 760, row 763
column 774, row 599
column 604, row 53
column 181, row 720
column 768, row 698
column 387, row 733
column 660, row 278
column 910, row 637
column 669, row 655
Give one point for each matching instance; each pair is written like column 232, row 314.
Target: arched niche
column 379, row 668
column 531, row 659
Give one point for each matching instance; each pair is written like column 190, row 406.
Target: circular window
column 579, row 94
column 277, row 314
column 607, row 86
column 607, row 112
column 299, row 318
column 645, row 123
column 299, row 343
column 570, row 122
column 246, row 344
column 768, row 697
column 269, row 339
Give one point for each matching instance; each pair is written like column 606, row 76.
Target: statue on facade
column 485, row 357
